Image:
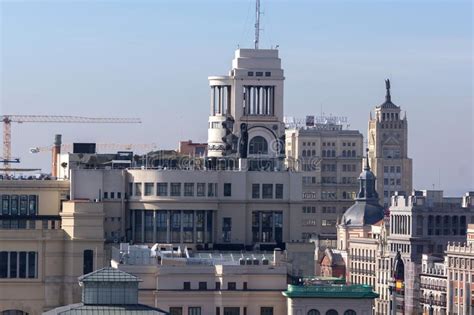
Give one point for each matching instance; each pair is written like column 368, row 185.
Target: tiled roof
column 331, row 291
column 81, row 309
column 108, row 274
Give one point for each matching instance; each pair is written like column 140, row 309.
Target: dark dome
column 367, row 174
column 363, row 213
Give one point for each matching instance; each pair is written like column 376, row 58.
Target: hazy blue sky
column 151, row 59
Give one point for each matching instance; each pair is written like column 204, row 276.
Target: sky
column 151, row 59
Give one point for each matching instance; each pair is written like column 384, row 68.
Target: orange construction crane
column 8, row 119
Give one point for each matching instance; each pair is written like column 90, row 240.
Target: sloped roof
column 108, row 274
column 81, row 309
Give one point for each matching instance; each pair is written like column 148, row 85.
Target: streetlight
column 431, row 302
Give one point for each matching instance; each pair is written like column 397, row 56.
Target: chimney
column 55, row 155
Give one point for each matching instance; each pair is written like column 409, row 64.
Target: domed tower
column 366, row 210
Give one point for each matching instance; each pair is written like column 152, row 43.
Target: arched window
column 313, row 312
column 332, row 312
column 350, row 312
column 258, row 145
column 88, row 261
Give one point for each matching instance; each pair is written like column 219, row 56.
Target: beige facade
column 433, row 284
column 43, row 244
column 330, row 159
column 388, row 150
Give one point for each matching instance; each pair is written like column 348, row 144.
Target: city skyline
column 122, row 58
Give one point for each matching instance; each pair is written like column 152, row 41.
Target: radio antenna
column 257, row 23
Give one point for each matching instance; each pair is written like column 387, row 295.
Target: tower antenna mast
column 257, row 23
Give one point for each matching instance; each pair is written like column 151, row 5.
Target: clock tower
column 388, row 149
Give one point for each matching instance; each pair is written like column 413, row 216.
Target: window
column 18, row 265
column 313, row 312
column 149, row 189
column 258, row 145
column 332, row 312
column 176, row 311
column 226, row 229
column 138, row 189
column 268, row 74
column 175, row 189
column 201, row 189
column 162, row 189
column 267, row 191
column 255, row 191
column 194, row 310
column 231, row 311
column 112, row 195
column 202, row 285
column 212, row 190
column 232, row 286
column 187, row 285
column 245, row 285
column 279, row 191
column 218, row 286
column 227, row 189
column 189, row 189
column 350, row 312
column 119, row 195
column 88, row 261
column 259, row 74
column 266, row 310
column 250, row 73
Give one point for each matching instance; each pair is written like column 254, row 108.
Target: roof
column 363, row 213
column 331, row 291
column 108, row 274
column 334, row 256
column 80, row 308
column 388, row 104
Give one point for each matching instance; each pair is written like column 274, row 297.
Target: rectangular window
column 231, row 310
column 5, row 204
column 279, row 191
column 14, row 205
column 201, row 189
column 218, row 286
column 112, row 195
column 187, row 286
column 23, row 205
column 268, row 73
column 162, row 189
column 245, row 286
column 149, row 187
column 231, row 286
column 13, row 264
column 3, row 264
column 194, row 310
column 267, row 191
column 259, row 74
column 22, row 265
column 175, row 189
column 176, row 311
column 119, row 195
column 189, row 189
column 212, row 190
column 202, row 285
column 138, row 189
column 256, row 191
column 226, row 229
column 266, row 311
column 227, row 189
column 106, row 195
